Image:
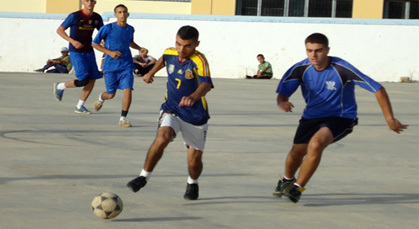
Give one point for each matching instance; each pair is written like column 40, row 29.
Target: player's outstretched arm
column 148, row 78
column 283, row 104
column 394, row 124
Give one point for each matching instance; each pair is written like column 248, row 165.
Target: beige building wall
column 201, row 7
column 23, row 6
column 68, row 6
column 223, row 7
column 158, row 7
column 62, row 7
column 368, row 9
column 214, row 7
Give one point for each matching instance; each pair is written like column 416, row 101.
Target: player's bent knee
column 163, row 139
column 81, row 83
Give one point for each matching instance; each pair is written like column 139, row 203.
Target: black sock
column 124, row 113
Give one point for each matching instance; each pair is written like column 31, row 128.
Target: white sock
column 79, row 104
column 286, row 178
column 192, row 181
column 61, row 86
column 100, row 98
column 298, row 185
column 122, row 118
column 145, row 174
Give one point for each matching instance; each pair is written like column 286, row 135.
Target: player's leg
column 194, row 138
column 126, row 83
column 126, row 103
column 81, row 73
column 294, row 159
column 317, row 144
column 91, row 73
column 87, row 89
column 168, row 127
column 155, row 152
column 292, row 164
column 164, row 136
column 195, row 164
column 195, row 167
column 307, row 128
column 332, row 130
column 111, row 84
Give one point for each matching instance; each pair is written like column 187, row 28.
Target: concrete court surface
column 53, row 161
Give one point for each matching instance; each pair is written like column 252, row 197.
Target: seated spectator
column 61, row 64
column 264, row 69
column 143, row 63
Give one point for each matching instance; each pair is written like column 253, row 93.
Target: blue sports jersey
column 330, row 92
column 81, row 29
column 116, row 38
column 183, row 79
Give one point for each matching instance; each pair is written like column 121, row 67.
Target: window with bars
column 401, row 9
column 295, row 8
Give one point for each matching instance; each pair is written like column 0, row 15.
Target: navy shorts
column 84, row 64
column 340, row 127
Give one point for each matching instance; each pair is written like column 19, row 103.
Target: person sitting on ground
column 143, row 62
column 61, row 64
column 264, row 69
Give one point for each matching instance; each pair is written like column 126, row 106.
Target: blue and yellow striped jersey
column 183, row 79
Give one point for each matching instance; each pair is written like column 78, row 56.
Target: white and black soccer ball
column 107, row 205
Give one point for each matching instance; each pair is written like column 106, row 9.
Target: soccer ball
column 107, row 205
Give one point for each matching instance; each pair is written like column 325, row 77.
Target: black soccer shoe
column 283, row 187
column 294, row 193
column 136, row 184
column 192, row 191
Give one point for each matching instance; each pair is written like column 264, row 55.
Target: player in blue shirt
column 185, row 108
column 82, row 24
column 328, row 87
column 118, row 66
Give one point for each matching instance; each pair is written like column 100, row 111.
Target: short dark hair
column 188, row 32
column 260, row 55
column 317, row 38
column 120, row 5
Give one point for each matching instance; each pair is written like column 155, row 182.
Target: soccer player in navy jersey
column 118, row 66
column 82, row 23
column 185, row 108
column 327, row 84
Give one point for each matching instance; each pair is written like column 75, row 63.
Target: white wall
column 382, row 49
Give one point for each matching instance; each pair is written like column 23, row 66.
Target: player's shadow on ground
column 4, row 180
column 320, row 200
column 340, row 199
column 233, row 200
column 157, row 219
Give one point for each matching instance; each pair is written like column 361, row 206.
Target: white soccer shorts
column 193, row 136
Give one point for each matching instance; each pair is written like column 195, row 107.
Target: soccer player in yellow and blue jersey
column 185, row 108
